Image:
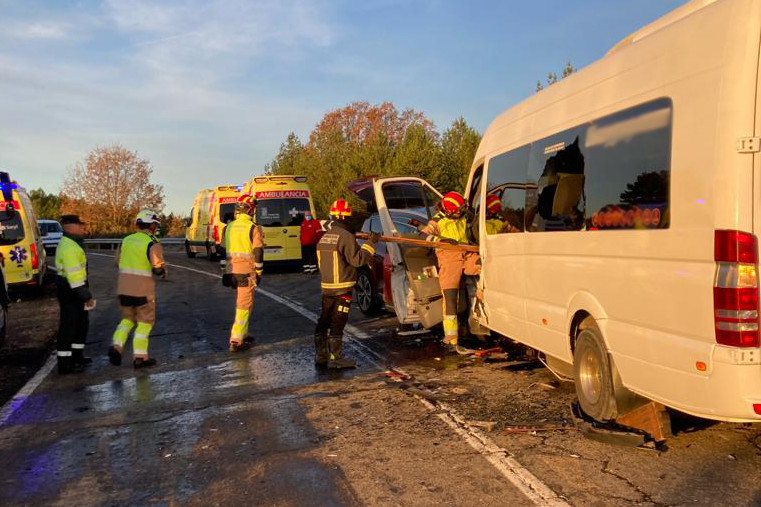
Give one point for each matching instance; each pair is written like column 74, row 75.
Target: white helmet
column 147, row 217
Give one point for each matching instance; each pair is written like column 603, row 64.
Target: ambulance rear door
column 414, row 275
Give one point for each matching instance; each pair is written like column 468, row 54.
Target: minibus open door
column 414, row 285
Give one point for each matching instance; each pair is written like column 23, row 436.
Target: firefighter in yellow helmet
column 338, row 256
column 140, row 257
column 450, row 226
column 245, row 262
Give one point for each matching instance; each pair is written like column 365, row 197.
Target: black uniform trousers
column 73, row 325
column 334, row 315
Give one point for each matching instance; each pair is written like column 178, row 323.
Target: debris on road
column 485, row 425
column 489, row 352
column 396, row 376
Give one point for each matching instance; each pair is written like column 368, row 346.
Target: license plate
column 272, row 249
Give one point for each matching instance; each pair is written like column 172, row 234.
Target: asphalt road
column 207, row 427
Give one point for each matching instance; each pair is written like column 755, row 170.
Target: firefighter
column 494, row 222
column 245, row 263
column 338, row 256
column 140, row 257
column 450, row 226
column 74, row 297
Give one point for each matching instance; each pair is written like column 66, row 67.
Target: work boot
column 114, row 356
column 336, row 360
column 143, row 363
column 321, row 354
column 249, row 340
column 81, row 359
column 239, row 347
column 464, row 351
column 67, row 365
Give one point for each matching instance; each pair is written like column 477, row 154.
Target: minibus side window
column 628, row 158
column 556, row 169
column 506, row 178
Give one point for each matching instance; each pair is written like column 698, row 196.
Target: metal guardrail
column 112, row 243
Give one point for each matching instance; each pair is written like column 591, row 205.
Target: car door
column 416, row 294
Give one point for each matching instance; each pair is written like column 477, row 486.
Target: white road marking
column 23, row 394
column 526, row 482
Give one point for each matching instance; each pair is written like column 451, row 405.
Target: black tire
column 592, row 375
column 366, row 293
column 188, row 252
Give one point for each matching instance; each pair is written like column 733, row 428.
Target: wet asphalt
column 263, row 427
column 205, row 426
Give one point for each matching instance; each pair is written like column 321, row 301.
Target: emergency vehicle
column 212, row 209
column 282, row 201
column 20, row 239
column 633, row 188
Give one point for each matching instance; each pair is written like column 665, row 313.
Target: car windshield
column 11, row 228
column 281, row 212
column 50, row 227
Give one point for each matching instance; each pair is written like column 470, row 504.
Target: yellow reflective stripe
column 343, row 285
column 368, row 247
column 453, row 201
column 318, row 258
column 242, row 255
column 335, row 266
column 75, row 284
column 131, row 271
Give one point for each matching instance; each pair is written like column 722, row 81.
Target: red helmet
column 493, row 204
column 246, row 203
column 452, row 202
column 340, row 208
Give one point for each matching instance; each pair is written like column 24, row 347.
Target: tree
column 458, row 148
column 552, row 77
column 286, row 161
column 109, row 187
column 45, row 205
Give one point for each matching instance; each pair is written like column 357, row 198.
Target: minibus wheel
column 592, row 375
column 189, row 252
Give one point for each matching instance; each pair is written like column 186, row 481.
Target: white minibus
column 633, row 188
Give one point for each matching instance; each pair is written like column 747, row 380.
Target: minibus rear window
column 11, row 228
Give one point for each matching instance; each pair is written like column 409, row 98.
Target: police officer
column 450, row 226
column 245, row 263
column 140, row 257
column 338, row 256
column 74, row 297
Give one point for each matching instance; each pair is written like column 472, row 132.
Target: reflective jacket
column 244, row 242
column 139, row 257
column 339, row 256
column 494, row 226
column 444, row 227
column 71, row 265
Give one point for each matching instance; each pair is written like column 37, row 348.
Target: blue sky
column 208, row 89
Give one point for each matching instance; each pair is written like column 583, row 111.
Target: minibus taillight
column 34, row 256
column 735, row 290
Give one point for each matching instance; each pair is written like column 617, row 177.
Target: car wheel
column 592, row 375
column 366, row 293
column 189, row 252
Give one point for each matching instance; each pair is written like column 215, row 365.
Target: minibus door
column 415, row 288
